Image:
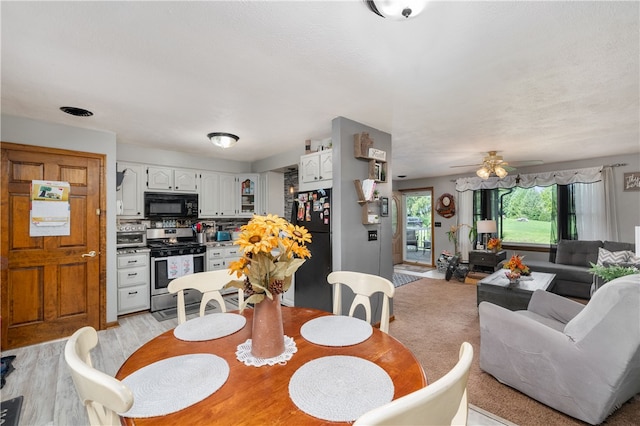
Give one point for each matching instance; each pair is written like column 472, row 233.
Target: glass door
column 418, row 226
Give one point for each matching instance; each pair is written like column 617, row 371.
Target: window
column 536, row 215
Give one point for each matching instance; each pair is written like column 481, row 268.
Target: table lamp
column 486, row 227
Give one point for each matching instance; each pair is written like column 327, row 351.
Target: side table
column 486, row 261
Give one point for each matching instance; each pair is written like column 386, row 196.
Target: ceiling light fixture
column 397, row 10
column 223, row 140
column 492, row 164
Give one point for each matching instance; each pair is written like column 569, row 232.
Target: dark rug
column 433, row 317
column 10, row 411
column 402, row 279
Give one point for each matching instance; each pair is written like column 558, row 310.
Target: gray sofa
column 581, row 360
column 572, row 263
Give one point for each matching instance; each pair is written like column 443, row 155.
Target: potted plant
column 611, row 272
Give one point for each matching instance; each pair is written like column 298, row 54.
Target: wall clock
column 446, row 206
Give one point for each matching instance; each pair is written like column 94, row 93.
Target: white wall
column 38, row 133
column 627, row 203
column 351, row 250
column 160, row 157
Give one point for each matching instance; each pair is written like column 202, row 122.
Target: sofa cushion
column 616, row 246
column 563, row 272
column 577, row 252
column 612, row 257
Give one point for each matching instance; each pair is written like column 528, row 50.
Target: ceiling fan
column 493, row 164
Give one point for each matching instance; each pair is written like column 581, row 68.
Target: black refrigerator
column 312, row 209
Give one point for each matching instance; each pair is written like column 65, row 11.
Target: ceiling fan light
column 500, row 172
column 483, row 173
column 223, row 140
column 398, row 10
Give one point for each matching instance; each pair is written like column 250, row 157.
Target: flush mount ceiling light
column 223, row 140
column 397, row 10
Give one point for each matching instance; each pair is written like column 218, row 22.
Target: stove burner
column 165, row 248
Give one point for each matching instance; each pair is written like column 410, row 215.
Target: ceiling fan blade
column 466, row 165
column 527, row 163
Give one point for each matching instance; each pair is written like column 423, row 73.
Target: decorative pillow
column 633, row 258
column 612, row 257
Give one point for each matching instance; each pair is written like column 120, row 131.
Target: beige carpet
column 433, row 317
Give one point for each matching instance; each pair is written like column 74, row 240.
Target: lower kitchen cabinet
column 220, row 257
column 133, row 282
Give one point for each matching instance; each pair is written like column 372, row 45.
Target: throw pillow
column 612, row 257
column 634, row 260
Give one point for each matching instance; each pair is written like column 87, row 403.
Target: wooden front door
column 53, row 285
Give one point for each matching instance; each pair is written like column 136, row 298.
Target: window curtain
column 591, row 213
column 564, row 177
column 465, row 216
column 609, row 205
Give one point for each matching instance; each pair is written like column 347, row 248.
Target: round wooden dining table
column 260, row 395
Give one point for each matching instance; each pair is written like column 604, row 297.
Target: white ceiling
column 551, row 81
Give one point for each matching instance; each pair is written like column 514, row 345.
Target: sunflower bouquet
column 272, row 250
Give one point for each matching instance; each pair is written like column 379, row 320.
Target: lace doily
column 243, row 353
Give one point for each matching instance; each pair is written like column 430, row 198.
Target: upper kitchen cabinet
column 218, row 195
column 170, row 179
column 247, row 188
column 316, row 170
column 129, row 195
column 272, row 193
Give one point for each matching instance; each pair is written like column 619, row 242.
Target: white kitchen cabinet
column 133, row 282
column 170, row 179
column 247, row 187
column 272, row 193
column 209, row 195
column 159, row 178
column 316, row 170
column 130, row 195
column 185, row 180
column 220, row 257
column 228, row 197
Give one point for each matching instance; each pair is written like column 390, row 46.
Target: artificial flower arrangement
column 494, row 243
column 516, row 267
column 272, row 250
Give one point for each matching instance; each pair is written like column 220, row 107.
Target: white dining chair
column 363, row 286
column 444, row 402
column 102, row 395
column 210, row 284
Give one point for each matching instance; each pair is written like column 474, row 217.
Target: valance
column 563, row 177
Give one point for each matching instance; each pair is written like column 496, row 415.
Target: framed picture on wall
column 384, row 206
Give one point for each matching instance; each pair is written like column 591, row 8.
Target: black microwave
column 171, row 206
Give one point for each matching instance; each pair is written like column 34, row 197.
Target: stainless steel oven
column 173, row 246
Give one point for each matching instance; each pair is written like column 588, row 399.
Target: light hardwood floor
column 42, row 377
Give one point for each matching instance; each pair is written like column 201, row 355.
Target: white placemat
column 340, row 388
column 336, row 330
column 244, row 355
column 175, row 383
column 209, row 327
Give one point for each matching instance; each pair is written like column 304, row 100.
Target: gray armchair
column 581, row 360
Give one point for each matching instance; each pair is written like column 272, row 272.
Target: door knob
column 92, row 253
